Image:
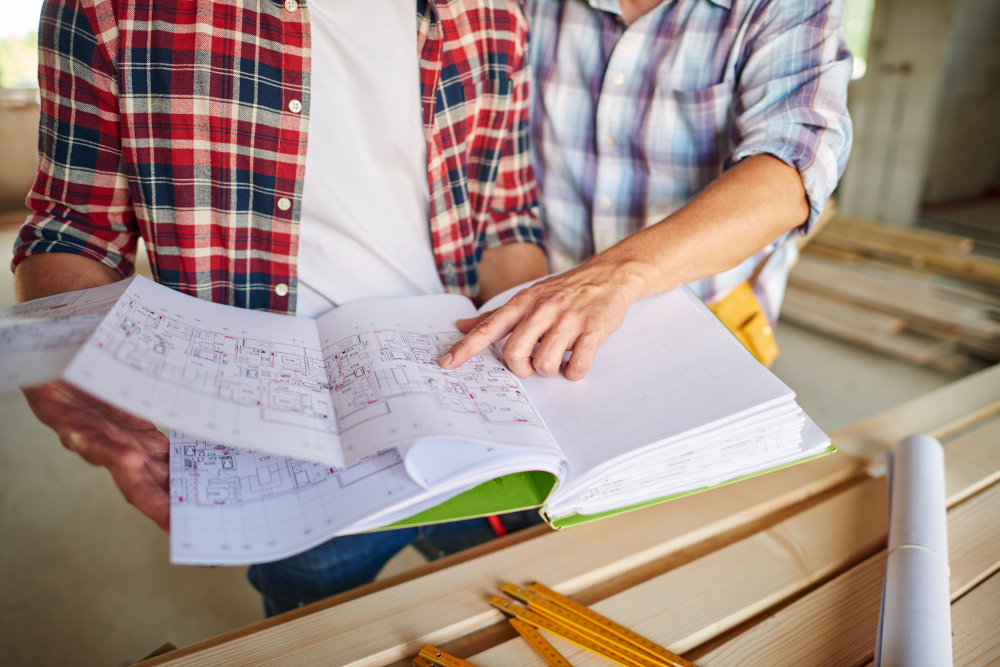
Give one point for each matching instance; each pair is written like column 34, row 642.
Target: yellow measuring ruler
column 438, row 658
column 572, row 612
column 590, row 642
column 540, row 644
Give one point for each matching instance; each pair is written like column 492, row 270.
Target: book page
column 225, row 373
column 672, row 368
column 388, row 389
column 237, row 505
column 38, row 338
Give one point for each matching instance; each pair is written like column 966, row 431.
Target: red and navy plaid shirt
column 174, row 121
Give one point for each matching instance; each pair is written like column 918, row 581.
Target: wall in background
column 18, row 139
column 965, row 154
column 894, row 108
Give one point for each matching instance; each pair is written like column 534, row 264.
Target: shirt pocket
column 687, row 135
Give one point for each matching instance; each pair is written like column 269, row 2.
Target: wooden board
column 709, row 596
column 862, row 231
column 975, row 625
column 833, row 279
column 384, row 622
column 380, row 627
column 938, row 413
column 835, row 624
column 694, row 603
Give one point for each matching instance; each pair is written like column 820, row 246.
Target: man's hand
column 742, row 211
column 132, row 450
column 577, row 310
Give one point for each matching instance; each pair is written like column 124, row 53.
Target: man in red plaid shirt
column 185, row 124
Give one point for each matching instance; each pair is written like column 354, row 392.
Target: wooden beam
column 376, row 625
column 718, row 592
column 861, row 231
column 836, row 623
column 878, row 292
column 799, row 305
column 390, row 624
column 686, row 607
column 938, row 413
column 975, row 625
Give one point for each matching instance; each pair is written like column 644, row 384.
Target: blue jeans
column 346, row 562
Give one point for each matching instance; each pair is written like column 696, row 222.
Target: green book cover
column 529, row 490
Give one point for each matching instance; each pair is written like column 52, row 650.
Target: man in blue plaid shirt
column 675, row 142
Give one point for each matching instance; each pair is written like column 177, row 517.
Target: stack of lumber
column 924, row 296
column 781, row 570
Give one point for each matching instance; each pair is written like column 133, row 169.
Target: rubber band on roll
column 920, row 546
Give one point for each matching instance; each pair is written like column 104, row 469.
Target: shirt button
column 606, row 202
column 619, row 79
column 608, row 141
column 284, row 203
column 281, row 289
column 291, row 5
column 295, row 106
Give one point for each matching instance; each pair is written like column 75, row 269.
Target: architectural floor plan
column 387, row 384
column 38, row 338
column 235, row 505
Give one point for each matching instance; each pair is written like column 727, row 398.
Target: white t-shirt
column 364, row 228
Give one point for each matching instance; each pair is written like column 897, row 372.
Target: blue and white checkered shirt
column 631, row 122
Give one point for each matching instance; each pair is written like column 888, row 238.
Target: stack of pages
column 288, row 431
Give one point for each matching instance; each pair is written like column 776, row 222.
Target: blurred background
column 896, row 295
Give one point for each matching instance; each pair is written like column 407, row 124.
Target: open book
column 289, row 431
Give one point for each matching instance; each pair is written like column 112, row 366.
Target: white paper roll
column 915, row 624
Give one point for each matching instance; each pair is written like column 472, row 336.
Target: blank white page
column 672, row 367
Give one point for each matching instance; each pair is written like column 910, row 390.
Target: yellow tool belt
column 742, row 313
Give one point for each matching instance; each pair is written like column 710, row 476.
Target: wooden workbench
column 783, row 569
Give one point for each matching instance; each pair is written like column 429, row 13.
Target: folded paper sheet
column 915, row 625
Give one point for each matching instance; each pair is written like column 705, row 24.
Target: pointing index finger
column 484, row 334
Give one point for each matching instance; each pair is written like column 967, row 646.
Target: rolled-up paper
column 915, row 624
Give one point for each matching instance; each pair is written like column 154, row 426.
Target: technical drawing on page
column 239, row 505
column 387, row 383
column 282, row 383
column 39, row 349
column 38, row 338
column 94, row 301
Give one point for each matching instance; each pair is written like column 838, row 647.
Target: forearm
column 745, row 209
column 51, row 273
column 508, row 265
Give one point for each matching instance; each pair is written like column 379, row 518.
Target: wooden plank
column 693, row 603
column 938, row 413
column 913, row 348
column 717, row 592
column 390, row 623
column 861, row 231
column 799, row 303
column 835, row 624
column 972, row 267
column 385, row 625
column 975, row 625
column 972, row 461
column 877, row 292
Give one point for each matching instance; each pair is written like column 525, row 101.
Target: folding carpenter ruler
column 433, row 657
column 577, row 623
column 540, row 644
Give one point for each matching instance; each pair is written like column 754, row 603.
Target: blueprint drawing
column 387, row 387
column 237, row 505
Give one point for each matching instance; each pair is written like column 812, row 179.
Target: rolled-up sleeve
column 514, row 204
column 80, row 200
column 791, row 94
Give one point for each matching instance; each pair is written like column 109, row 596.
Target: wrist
column 633, row 277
